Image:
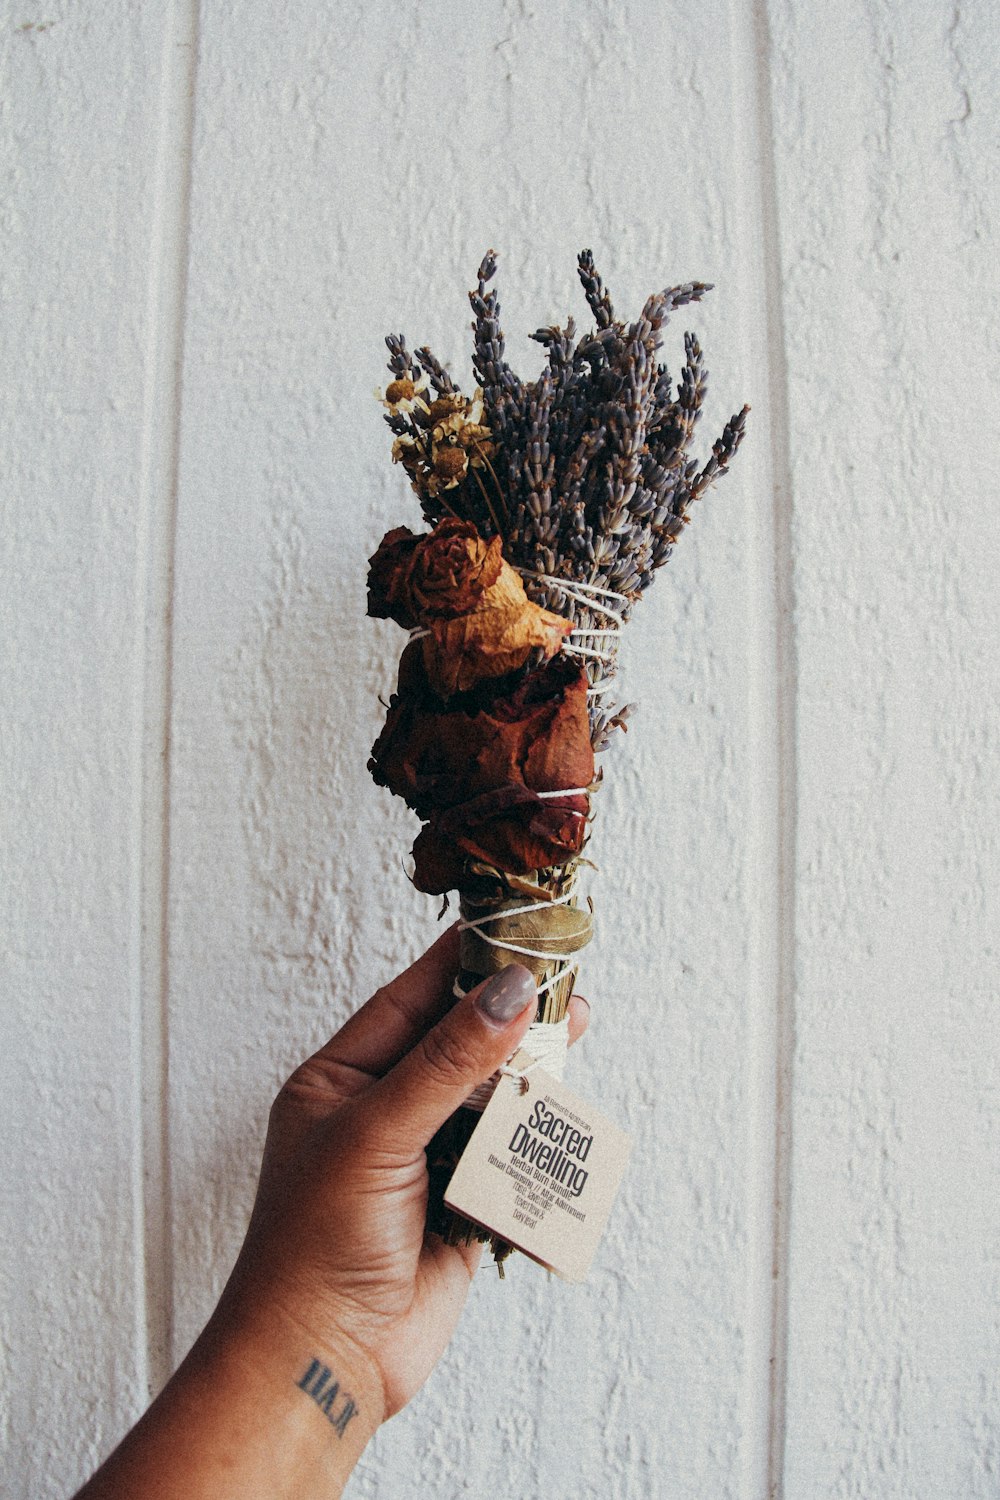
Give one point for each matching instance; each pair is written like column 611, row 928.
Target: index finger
column 397, row 1015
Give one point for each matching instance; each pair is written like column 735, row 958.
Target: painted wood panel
column 81, row 112
column 887, row 176
column 348, row 176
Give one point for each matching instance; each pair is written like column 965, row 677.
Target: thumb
column 476, row 1037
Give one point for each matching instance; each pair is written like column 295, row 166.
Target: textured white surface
column 893, row 1252
column 209, row 221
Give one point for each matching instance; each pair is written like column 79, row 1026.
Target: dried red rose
column 388, row 594
column 473, row 771
column 457, row 586
column 413, row 579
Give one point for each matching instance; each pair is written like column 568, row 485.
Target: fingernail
column 505, row 995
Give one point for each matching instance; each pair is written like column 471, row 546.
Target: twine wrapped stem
column 544, row 935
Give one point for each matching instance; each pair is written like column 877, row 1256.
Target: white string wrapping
column 547, row 1042
column 590, row 596
column 587, row 651
column 574, row 589
column 476, row 925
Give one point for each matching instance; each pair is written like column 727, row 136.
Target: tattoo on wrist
column 318, row 1382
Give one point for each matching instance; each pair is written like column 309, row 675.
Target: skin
column 336, row 1271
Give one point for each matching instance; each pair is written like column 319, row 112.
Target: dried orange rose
column 496, row 637
column 473, row 771
column 452, row 570
column 480, row 621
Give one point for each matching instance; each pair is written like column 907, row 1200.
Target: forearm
column 252, row 1411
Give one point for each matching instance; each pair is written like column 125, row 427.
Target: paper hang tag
column 541, row 1169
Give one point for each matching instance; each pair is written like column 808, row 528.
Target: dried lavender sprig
column 401, row 363
column 559, row 343
column 496, row 378
column 724, row 449
column 595, row 291
column 538, row 466
column 693, row 385
column 663, row 391
column 439, row 377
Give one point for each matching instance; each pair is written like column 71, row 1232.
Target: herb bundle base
column 550, row 506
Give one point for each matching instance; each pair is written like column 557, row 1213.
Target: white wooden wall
column 211, row 215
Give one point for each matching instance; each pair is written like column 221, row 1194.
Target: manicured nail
column 504, row 996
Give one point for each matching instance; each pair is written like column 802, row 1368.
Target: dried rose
column 412, row 579
column 516, row 832
column 479, row 619
column 496, row 637
column 388, row 595
column 474, row 769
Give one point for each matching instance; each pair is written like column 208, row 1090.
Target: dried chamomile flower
column 404, row 396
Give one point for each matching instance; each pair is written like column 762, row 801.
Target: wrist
column 257, row 1408
column 324, row 1393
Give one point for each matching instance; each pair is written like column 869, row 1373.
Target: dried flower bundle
column 551, row 504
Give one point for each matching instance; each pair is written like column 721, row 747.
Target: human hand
column 336, row 1242
column 339, row 1300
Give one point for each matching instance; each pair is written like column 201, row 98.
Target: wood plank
column 887, row 176
column 82, row 103
column 348, row 175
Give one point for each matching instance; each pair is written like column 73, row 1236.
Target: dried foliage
column 585, row 473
